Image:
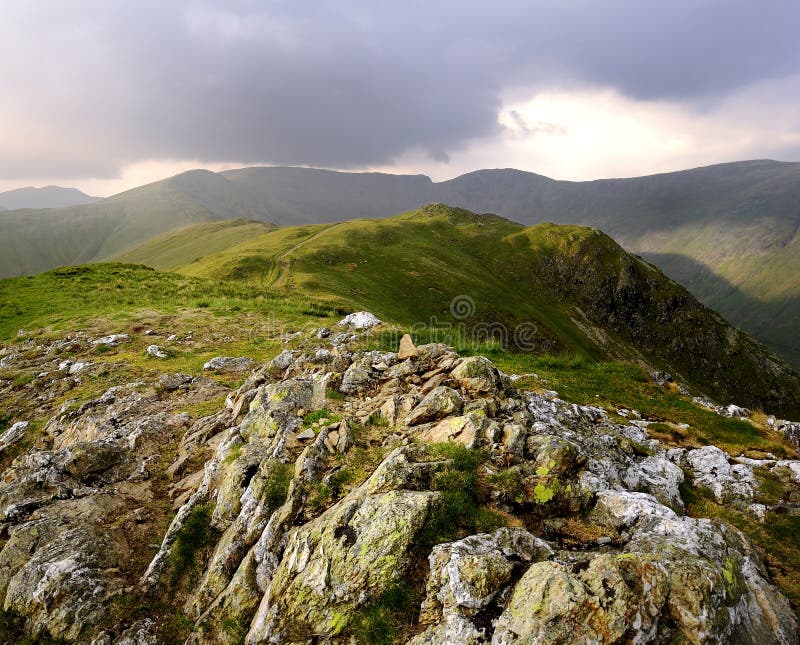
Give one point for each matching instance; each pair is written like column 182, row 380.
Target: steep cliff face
column 342, row 494
column 626, row 296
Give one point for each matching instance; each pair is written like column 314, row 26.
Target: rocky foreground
column 346, row 495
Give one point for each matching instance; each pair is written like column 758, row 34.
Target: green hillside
column 177, row 248
column 545, row 288
column 36, row 240
column 51, row 317
column 729, row 232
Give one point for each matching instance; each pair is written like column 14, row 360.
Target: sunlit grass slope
column 178, row 248
column 566, row 288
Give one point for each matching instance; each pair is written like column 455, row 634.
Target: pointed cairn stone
column 407, row 348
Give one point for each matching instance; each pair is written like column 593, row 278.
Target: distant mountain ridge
column 37, row 240
column 729, row 232
column 46, row 197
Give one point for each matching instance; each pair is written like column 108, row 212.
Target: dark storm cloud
column 90, row 86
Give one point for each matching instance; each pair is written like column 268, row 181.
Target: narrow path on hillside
column 285, row 266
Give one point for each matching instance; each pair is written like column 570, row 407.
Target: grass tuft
column 381, row 622
column 460, row 511
column 195, row 537
column 276, row 487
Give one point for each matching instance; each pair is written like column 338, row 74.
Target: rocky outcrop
column 470, row 580
column 340, row 561
column 74, row 516
column 788, row 428
column 334, row 476
column 112, row 340
column 711, row 469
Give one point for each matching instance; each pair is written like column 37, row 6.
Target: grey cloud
column 342, row 84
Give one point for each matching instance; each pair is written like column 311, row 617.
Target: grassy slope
column 36, row 240
column 72, row 297
column 119, row 297
column 567, row 288
column 407, row 269
column 728, row 232
column 175, row 248
column 754, row 283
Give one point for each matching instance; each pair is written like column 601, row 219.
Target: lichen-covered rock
column 13, row 434
column 553, row 604
column 407, row 348
column 470, row 575
column 711, row 469
column 142, row 632
column 156, row 352
column 467, row 430
column 41, row 477
column 555, row 414
column 304, row 540
column 360, row 320
column 735, row 412
column 619, row 510
column 453, row 628
column 112, row 340
column 790, row 430
column 65, row 587
column 350, row 554
column 172, row 382
column 437, row 404
column 283, row 360
column 274, row 408
column 127, row 413
column 646, row 596
column 396, row 408
column 714, row 584
column 658, row 476
column 358, row 376
column 477, row 374
column 787, row 470
column 553, row 455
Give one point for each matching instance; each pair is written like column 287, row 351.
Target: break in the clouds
column 94, row 89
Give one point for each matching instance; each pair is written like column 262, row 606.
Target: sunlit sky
column 108, row 95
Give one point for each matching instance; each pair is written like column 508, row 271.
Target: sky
column 105, row 95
